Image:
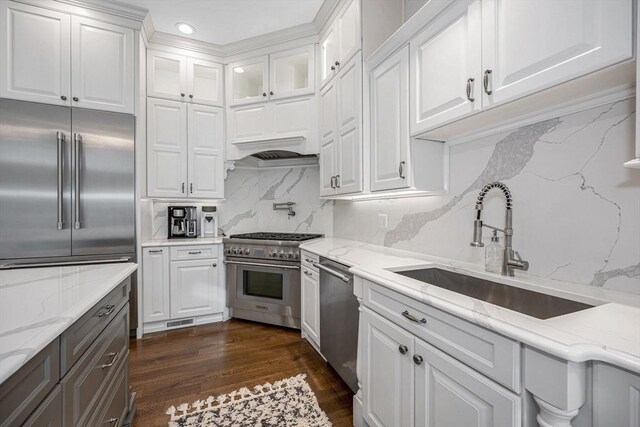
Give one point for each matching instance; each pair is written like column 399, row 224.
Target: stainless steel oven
column 263, row 277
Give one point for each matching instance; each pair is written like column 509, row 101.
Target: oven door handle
column 257, row 264
column 332, row 272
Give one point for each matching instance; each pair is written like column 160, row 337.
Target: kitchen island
column 564, row 363
column 56, row 325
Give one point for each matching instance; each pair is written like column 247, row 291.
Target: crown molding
column 179, row 42
column 324, row 13
column 270, row 39
column 111, row 7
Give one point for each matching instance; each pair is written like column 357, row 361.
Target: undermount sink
column 541, row 306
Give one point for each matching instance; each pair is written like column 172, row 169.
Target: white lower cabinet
column 194, row 290
column 182, row 286
column 310, row 294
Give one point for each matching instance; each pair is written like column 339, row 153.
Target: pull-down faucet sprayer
column 511, row 259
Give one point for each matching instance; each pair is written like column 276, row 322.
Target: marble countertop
column 182, row 242
column 609, row 332
column 38, row 304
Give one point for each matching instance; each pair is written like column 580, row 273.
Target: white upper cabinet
column 36, row 54
column 185, row 150
column 341, row 131
column 389, row 101
column 102, row 66
column 205, row 153
column 530, row 45
column 183, row 78
column 291, row 73
column 446, row 68
column 248, row 81
column 166, row 148
column 340, row 41
column 55, row 58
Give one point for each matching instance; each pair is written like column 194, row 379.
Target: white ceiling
column 227, row 21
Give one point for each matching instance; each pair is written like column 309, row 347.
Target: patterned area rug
column 288, row 402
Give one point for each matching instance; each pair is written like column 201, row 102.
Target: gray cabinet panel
column 87, row 381
column 21, row 394
column 49, row 413
column 616, row 397
column 115, row 405
column 79, row 336
column 449, row 393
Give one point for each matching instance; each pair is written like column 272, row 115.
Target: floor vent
column 179, row 323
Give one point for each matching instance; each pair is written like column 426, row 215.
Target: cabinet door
column 328, row 54
column 295, row 117
column 291, row 73
column 166, row 148
column 448, row 393
column 204, row 82
column 249, row 122
column 311, row 305
column 349, row 109
column 194, row 288
column 389, row 123
column 328, row 123
column 387, row 383
column 166, row 75
column 248, row 81
column 102, row 73
column 206, row 148
column 530, row 45
column 155, row 284
column 35, row 54
column 348, row 27
column 446, row 68
column 616, row 397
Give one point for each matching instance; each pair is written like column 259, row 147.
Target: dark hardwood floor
column 170, row 368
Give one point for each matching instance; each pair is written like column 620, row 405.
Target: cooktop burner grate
column 286, row 237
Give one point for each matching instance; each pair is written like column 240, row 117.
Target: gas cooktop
column 284, row 237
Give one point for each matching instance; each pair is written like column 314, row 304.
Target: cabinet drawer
column 49, row 413
column 77, row 338
column 308, row 259
column 24, row 390
column 194, row 252
column 494, row 355
column 87, row 381
column 114, row 406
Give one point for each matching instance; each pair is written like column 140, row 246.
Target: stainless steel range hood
column 273, row 158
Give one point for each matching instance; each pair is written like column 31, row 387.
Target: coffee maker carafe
column 182, row 222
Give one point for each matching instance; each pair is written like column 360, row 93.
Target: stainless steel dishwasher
column 338, row 320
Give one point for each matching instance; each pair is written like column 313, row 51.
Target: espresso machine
column 183, row 222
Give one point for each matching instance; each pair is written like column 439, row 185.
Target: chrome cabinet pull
column 109, row 308
column 487, row 75
column 333, row 182
column 307, row 273
column 77, row 139
column 194, row 252
column 309, row 260
column 183, row 188
column 401, row 169
column 337, row 181
column 191, row 188
column 413, row 318
column 60, row 138
column 155, row 251
column 114, row 357
column 470, row 84
column 403, row 349
column 417, row 359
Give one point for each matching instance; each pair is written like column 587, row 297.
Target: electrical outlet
column 382, row 221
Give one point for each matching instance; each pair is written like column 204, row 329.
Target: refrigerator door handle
column 77, row 140
column 60, row 138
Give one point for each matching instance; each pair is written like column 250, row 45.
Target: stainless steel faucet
column 285, row 206
column 511, row 260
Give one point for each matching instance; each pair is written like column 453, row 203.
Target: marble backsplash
column 576, row 209
column 248, row 205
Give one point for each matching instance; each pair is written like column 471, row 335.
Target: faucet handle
column 523, row 263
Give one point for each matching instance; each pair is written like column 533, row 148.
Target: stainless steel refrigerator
column 67, row 189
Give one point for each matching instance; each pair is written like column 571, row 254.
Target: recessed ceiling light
column 185, row 28
column 238, row 70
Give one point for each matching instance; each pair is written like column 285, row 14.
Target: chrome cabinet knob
column 403, row 349
column 417, row 359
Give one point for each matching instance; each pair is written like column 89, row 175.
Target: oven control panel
column 292, row 254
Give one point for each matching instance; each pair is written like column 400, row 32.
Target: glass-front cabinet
column 276, row 76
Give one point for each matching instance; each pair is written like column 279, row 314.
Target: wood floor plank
column 170, row 368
